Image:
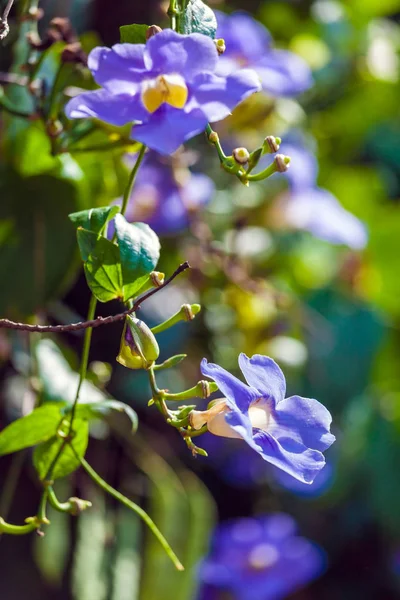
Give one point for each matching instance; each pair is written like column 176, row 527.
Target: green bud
column 139, row 348
column 220, row 45
column 170, row 362
column 271, row 144
column 241, row 155
column 156, row 279
column 282, row 163
column 187, row 312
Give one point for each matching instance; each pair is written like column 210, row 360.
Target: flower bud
column 241, row 155
column 220, row 45
column 152, row 31
column 189, row 311
column 271, row 144
column 139, row 348
column 213, row 138
column 282, row 163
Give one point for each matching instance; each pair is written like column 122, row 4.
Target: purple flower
column 259, row 559
column 321, row 484
column 167, row 87
column 289, row 433
column 166, row 193
column 249, row 44
column 314, row 209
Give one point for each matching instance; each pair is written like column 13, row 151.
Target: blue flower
column 167, row 87
column 314, row 209
column 289, row 433
column 259, row 559
column 166, row 193
column 249, row 44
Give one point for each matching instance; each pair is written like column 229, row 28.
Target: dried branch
column 4, row 27
column 99, row 321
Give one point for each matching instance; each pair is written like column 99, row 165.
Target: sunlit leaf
column 45, row 453
column 199, row 18
column 39, row 426
column 139, row 249
column 94, row 219
column 102, row 265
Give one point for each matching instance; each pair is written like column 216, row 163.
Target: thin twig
column 99, row 321
column 4, row 27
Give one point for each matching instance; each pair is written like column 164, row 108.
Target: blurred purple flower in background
column 168, row 87
column 289, row 433
column 259, row 559
column 166, row 193
column 249, row 44
column 314, row 209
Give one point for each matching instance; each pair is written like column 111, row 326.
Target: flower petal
column 303, row 170
column 120, row 68
column 169, row 127
column 217, row 96
column 116, row 109
column 316, row 210
column 283, row 73
column 264, row 374
column 238, row 394
column 294, row 458
column 303, row 419
column 188, row 55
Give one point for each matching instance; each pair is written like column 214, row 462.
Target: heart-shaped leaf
column 102, row 265
column 39, row 426
column 139, row 249
column 45, row 453
column 94, row 219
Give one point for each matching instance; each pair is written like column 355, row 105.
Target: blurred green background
column 329, row 315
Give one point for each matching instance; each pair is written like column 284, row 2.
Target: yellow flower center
column 170, row 89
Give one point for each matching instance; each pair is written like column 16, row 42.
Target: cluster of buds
column 60, row 30
column 242, row 162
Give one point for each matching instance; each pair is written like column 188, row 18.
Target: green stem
column 214, row 140
column 17, row 529
column 56, row 504
column 173, row 14
column 132, row 177
column 132, row 506
column 84, row 359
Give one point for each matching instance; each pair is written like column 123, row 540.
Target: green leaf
column 106, row 409
column 133, row 34
column 102, row 265
column 199, row 18
column 39, row 426
column 94, row 219
column 45, row 453
column 139, row 249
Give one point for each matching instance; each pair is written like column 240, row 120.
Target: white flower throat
column 165, row 89
column 259, row 415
